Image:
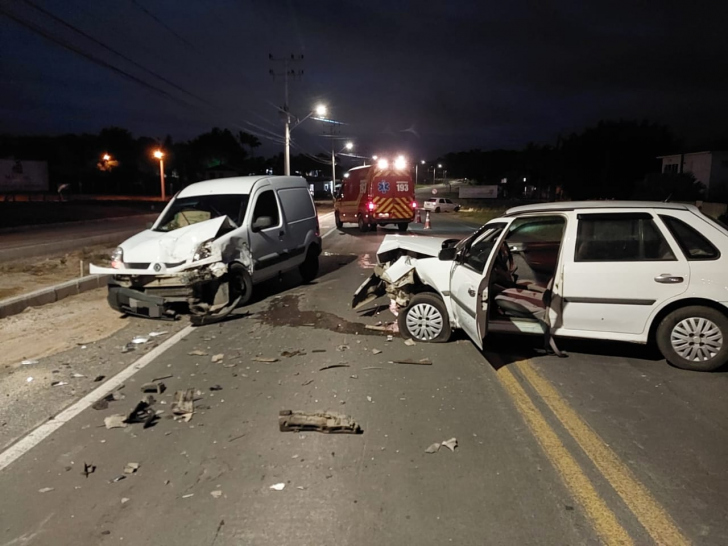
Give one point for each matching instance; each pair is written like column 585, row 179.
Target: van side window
column 267, row 205
column 620, row 237
column 694, row 245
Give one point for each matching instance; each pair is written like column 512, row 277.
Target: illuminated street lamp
column 348, row 147
column 422, row 162
column 434, row 172
column 159, row 154
column 319, row 110
column 106, row 157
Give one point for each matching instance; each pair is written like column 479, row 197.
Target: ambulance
column 376, row 195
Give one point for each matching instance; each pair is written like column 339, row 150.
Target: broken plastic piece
column 128, row 347
column 88, row 469
column 115, row 421
column 216, row 388
column 184, row 404
column 326, row 422
column 376, row 328
column 59, row 383
column 99, row 378
column 376, row 351
column 434, row 448
column 131, row 468
column 409, row 342
column 143, row 412
column 218, row 358
column 197, row 352
column 289, row 354
column 156, row 334
column 278, row 486
column 159, row 387
column 29, row 362
column 451, row 444
column 342, row 348
column 46, row 490
column 390, row 338
column 307, row 382
column 216, row 494
column 261, row 359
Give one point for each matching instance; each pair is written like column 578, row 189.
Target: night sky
column 420, row 77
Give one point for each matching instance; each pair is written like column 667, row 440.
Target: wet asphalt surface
column 208, row 481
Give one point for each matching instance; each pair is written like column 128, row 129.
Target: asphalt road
column 610, row 445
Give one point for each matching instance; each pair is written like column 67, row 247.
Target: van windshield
column 186, row 211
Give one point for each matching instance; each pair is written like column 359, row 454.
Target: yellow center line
column 602, row 518
column 653, row 517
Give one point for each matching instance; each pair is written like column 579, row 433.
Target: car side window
column 542, row 229
column 620, row 237
column 693, row 244
column 267, row 205
column 448, row 201
column 476, row 255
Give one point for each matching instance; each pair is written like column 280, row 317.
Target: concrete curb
column 52, row 294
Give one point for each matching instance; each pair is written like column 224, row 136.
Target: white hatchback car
column 440, row 204
column 623, row 271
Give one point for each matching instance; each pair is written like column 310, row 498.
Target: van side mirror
column 263, row 222
column 447, row 254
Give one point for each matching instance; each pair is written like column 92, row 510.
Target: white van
column 212, row 243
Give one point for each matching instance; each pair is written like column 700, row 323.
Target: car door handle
column 666, row 278
column 471, row 292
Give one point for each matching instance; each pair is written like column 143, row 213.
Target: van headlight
column 203, row 251
column 117, row 258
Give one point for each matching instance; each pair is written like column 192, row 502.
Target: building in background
column 709, row 168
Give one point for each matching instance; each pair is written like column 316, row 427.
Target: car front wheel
column 425, row 319
column 694, row 338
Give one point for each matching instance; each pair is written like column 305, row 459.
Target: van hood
column 173, row 247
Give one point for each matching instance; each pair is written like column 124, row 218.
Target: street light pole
column 347, row 146
column 160, row 155
column 287, row 152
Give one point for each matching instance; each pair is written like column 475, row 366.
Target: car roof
column 239, row 185
column 576, row 205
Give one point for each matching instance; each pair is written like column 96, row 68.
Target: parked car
column 212, row 243
column 623, row 271
column 440, row 204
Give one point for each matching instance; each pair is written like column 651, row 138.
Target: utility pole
column 288, row 72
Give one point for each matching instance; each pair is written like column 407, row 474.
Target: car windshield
column 186, row 211
column 465, row 243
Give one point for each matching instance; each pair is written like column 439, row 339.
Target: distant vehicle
column 376, row 195
column 439, row 204
column 212, row 243
column 612, row 270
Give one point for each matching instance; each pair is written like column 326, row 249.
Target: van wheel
column 310, row 266
column 425, row 319
column 402, row 227
column 241, row 284
column 437, row 209
column 363, row 226
column 337, row 221
column 694, row 338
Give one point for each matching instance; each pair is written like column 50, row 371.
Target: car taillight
column 414, row 204
column 371, row 206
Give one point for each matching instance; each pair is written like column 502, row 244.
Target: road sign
column 434, row 191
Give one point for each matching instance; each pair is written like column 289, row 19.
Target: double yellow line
column 651, row 515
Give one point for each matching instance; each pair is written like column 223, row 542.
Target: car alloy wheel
column 424, row 321
column 696, row 339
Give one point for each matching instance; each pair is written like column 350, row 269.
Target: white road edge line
column 329, row 232
column 35, row 437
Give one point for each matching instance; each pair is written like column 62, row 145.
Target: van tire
column 310, row 266
column 709, row 322
column 241, row 283
column 402, row 226
column 363, row 226
column 337, row 221
column 425, row 305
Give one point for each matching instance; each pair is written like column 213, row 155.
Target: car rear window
column 693, row 244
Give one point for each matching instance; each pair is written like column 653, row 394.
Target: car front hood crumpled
column 426, row 246
column 172, row 246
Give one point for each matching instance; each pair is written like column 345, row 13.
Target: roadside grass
column 480, row 215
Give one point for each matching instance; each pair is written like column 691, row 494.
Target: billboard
column 23, row 176
column 478, row 192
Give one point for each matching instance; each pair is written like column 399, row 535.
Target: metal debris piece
column 262, row 359
column 376, row 351
column 289, row 354
column 99, row 378
column 216, row 494
column 218, row 358
column 163, row 377
column 128, row 348
column 88, row 469
column 157, row 387
column 434, row 448
column 216, row 388
column 421, row 362
column 46, row 490
column 325, row 421
column 307, row 382
column 342, row 365
column 118, row 479
column 184, row 404
column 131, row 468
column 143, row 412
column 409, row 342
column 138, row 340
column 342, row 348
column 59, row 383
column 451, row 444
column 278, row 486
column 197, row 352
column 115, row 421
column 29, row 362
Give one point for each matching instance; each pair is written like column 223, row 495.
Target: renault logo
column 157, row 268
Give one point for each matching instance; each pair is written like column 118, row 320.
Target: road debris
column 373, row 368
column 118, row 479
column 354, row 376
column 157, row 387
column 131, row 468
column 59, row 383
column 289, row 354
column 29, row 362
column 278, row 486
column 163, row 377
column 376, row 328
column 115, row 421
column 324, row 421
column 124, row 500
column 409, row 342
column 263, row 359
column 77, row 375
column 369, row 398
column 216, row 494
column 156, row 334
column 99, row 378
column 197, row 352
column 376, row 351
column 46, row 490
column 128, row 348
column 188, row 495
column 143, row 412
column 451, row 444
column 342, row 348
column 217, row 358
column 29, row 380
column 216, row 388
column 103, row 403
column 184, row 404
column 421, row 362
column 341, row 365
column 390, row 338
column 138, row 340
column 307, row 382
column 319, row 351
column 88, row 469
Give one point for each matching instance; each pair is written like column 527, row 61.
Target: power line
column 159, row 21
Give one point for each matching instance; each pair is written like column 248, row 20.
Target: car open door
column 470, row 275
